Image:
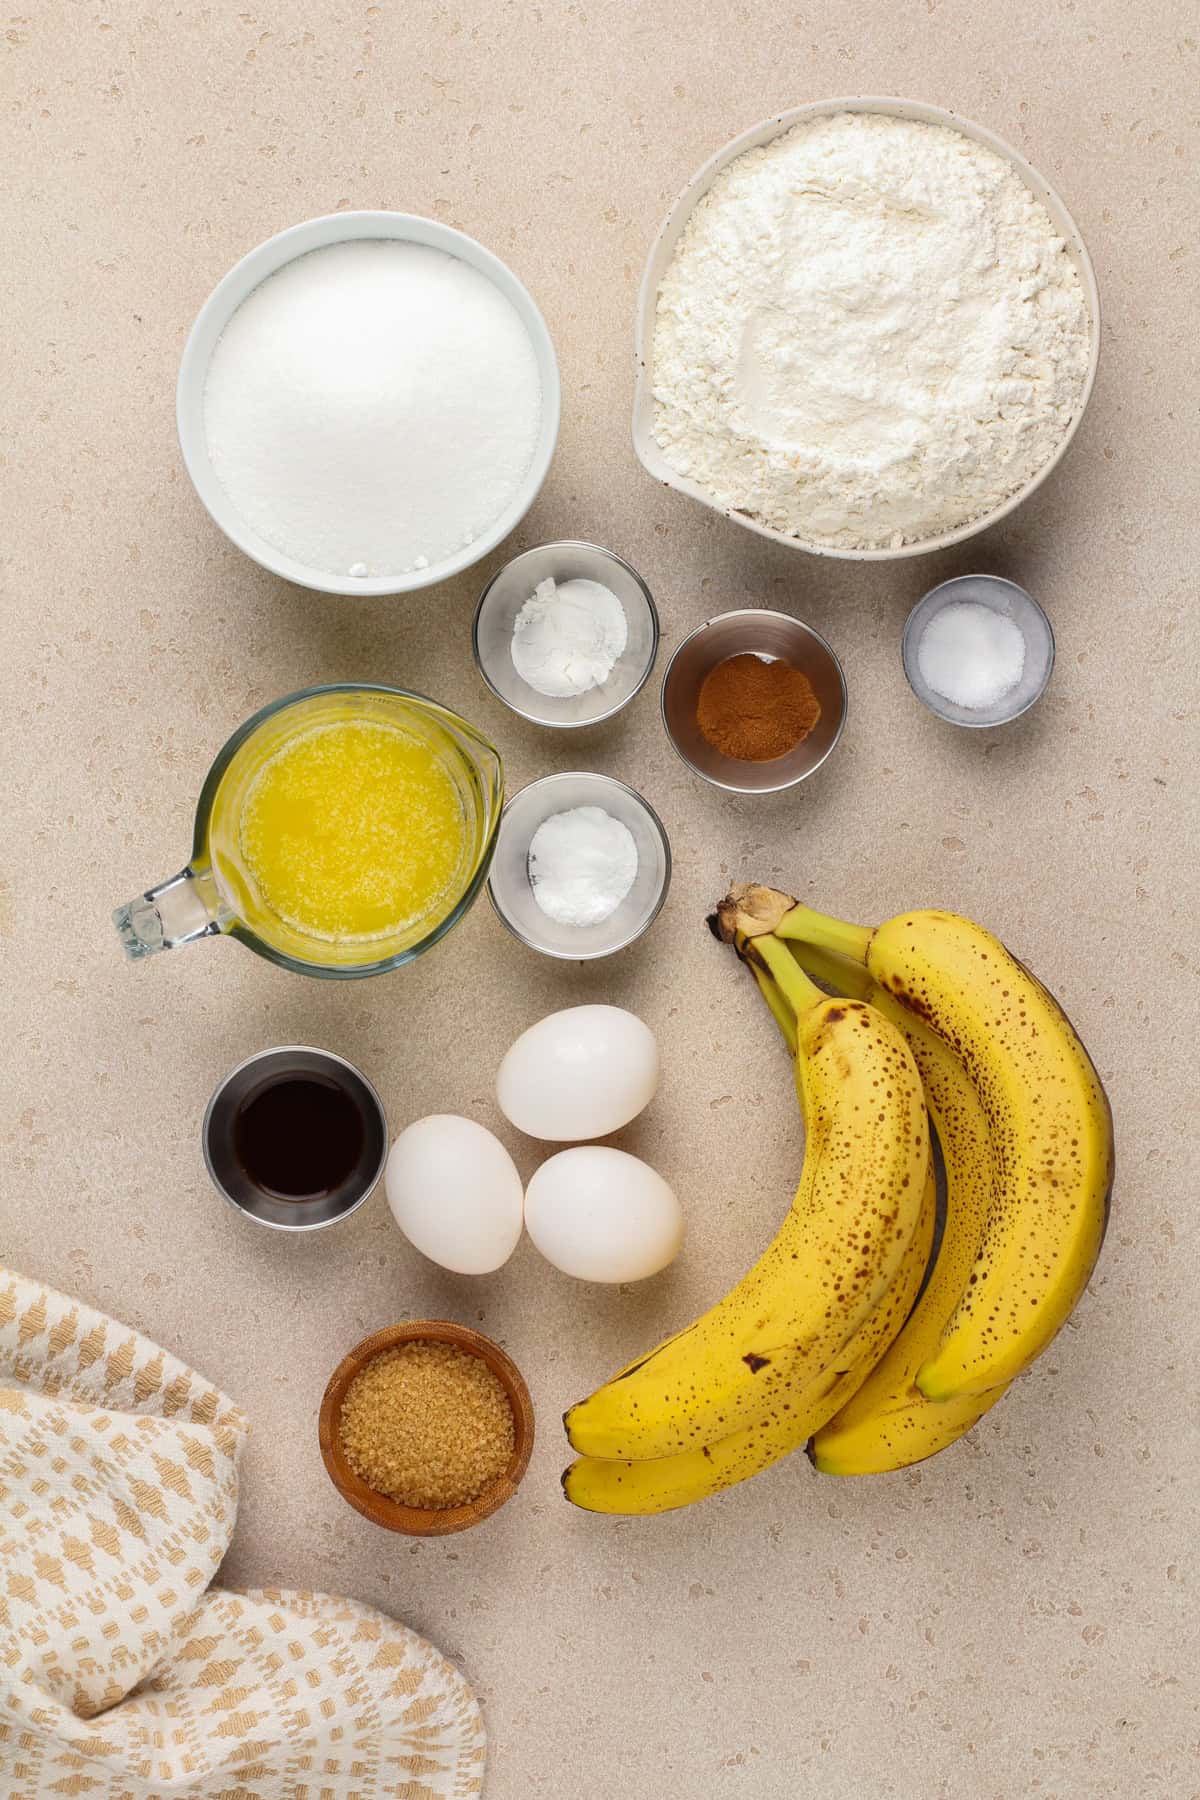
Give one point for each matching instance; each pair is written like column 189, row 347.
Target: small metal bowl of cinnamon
column 754, row 701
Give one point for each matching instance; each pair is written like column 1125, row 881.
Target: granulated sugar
column 373, row 408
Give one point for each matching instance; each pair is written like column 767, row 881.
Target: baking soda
column 373, row 407
column 582, row 863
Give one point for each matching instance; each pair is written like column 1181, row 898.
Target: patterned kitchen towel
column 123, row 1674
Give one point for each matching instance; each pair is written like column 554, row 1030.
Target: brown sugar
column 427, row 1424
column 754, row 710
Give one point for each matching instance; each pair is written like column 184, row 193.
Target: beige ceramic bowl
column 663, row 249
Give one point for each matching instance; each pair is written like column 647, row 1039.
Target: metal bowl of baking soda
column 582, row 866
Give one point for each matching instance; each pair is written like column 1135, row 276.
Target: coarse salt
column 971, row 655
column 373, row 407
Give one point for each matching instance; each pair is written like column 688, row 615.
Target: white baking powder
column 971, row 655
column 582, row 863
column 373, row 407
column 870, row 333
column 568, row 637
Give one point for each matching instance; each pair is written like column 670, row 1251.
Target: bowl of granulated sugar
column 368, row 403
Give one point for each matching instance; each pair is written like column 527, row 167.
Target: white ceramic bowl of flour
column 662, row 253
column 275, row 255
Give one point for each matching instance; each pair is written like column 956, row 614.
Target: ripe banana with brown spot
column 888, row 1423
column 837, row 1254
column 1048, row 1121
column 662, row 1483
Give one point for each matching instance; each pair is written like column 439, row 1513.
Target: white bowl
column 663, row 249
column 242, row 279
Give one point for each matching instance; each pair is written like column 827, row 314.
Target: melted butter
column 353, row 831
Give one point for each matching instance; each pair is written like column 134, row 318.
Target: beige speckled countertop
column 1017, row 1618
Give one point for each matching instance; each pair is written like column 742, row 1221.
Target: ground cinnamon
column 755, row 711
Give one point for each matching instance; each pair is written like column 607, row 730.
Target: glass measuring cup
column 220, row 893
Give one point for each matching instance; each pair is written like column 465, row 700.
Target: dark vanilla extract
column 299, row 1137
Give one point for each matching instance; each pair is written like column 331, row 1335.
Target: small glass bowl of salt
column 566, row 634
column 978, row 650
column 581, row 867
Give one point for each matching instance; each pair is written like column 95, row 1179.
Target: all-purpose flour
column 870, row 334
column 568, row 637
column 373, row 407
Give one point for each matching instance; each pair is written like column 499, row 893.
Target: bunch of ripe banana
column 841, row 1336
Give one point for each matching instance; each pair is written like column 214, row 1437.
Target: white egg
column 579, row 1074
column 603, row 1215
column 455, row 1193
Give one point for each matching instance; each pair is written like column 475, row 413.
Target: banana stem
column 838, row 935
column 800, row 993
column 781, row 1012
column 837, row 972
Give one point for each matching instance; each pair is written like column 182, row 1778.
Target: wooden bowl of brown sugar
column 426, row 1427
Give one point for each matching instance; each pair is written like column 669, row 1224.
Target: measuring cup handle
column 177, row 911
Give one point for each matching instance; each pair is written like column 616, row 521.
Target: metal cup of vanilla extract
column 295, row 1138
